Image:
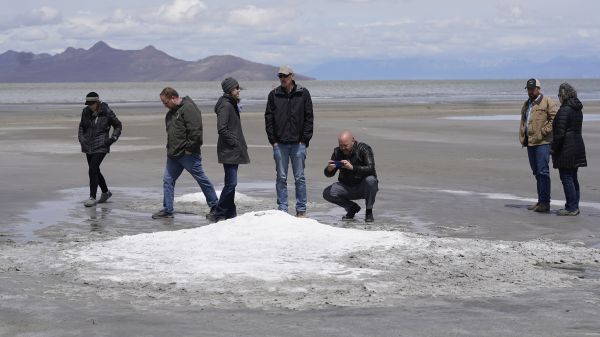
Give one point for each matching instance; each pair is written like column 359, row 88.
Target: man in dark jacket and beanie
column 357, row 178
column 231, row 146
column 96, row 120
column 568, row 149
column 184, row 139
column 289, row 126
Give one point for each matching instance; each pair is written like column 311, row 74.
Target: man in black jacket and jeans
column 357, row 178
column 289, row 126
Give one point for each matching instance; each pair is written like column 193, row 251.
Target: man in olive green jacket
column 535, row 133
column 184, row 139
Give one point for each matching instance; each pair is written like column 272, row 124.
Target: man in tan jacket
column 535, row 133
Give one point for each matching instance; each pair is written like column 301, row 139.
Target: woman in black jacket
column 568, row 149
column 96, row 121
column 231, row 146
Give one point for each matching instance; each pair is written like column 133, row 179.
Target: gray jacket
column 231, row 146
column 184, row 128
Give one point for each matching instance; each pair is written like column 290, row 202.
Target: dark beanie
column 229, row 84
column 91, row 98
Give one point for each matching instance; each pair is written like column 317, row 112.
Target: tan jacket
column 539, row 129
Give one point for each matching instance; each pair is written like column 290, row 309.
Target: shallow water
column 405, row 91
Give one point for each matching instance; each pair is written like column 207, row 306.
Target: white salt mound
column 269, row 245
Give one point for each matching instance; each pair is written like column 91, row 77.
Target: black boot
column 210, row 216
column 351, row 212
column 369, row 216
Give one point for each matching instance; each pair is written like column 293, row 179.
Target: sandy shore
column 459, row 183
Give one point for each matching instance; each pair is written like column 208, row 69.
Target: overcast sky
column 309, row 32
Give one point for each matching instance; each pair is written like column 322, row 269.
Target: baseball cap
column 532, row 83
column 285, row 70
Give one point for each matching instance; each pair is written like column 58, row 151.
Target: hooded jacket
column 94, row 129
column 539, row 129
column 568, row 149
column 362, row 160
column 231, row 146
column 289, row 117
column 184, row 128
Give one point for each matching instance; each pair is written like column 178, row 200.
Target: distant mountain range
column 102, row 63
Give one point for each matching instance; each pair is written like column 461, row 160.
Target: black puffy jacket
column 289, row 117
column 94, row 129
column 568, row 149
column 362, row 161
column 231, row 146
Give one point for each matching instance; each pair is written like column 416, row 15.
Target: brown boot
column 533, row 207
column 542, row 208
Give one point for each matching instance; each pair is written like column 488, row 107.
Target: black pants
column 343, row 195
column 94, row 160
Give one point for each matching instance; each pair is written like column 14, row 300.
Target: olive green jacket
column 184, row 128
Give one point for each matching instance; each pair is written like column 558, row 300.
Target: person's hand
column 187, row 152
column 275, row 144
column 331, row 166
column 346, row 164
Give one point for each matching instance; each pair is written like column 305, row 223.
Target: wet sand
column 438, row 178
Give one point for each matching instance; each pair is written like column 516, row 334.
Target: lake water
column 442, row 91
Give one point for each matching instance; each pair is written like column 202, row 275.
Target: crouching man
column 357, row 178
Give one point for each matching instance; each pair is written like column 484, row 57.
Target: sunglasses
column 283, row 75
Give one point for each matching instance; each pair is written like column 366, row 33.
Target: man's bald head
column 346, row 141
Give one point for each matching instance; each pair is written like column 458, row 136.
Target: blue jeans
column 193, row 164
column 283, row 154
column 539, row 157
column 226, row 207
column 568, row 177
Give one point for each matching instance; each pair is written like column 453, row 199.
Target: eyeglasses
column 283, row 75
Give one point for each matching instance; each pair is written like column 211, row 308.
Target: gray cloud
column 312, row 31
column 39, row 16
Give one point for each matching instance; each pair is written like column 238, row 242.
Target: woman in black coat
column 568, row 149
column 231, row 146
column 96, row 120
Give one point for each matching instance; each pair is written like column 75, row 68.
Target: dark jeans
column 96, row 178
column 342, row 195
column 539, row 157
column 568, row 177
column 226, row 207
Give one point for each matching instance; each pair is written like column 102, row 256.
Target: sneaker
column 162, row 214
column 564, row 212
column 90, row 202
column 532, row 207
column 369, row 216
column 211, row 213
column 301, row 214
column 542, row 208
column 104, row 197
column 351, row 212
